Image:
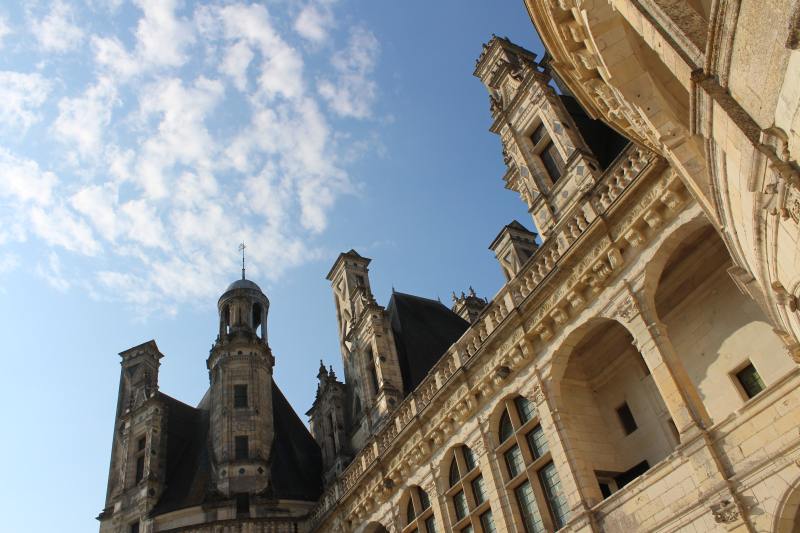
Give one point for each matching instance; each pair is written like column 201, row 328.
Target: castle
column 638, row 371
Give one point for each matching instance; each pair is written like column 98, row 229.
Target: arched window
column 529, row 474
column 419, row 514
column 468, row 497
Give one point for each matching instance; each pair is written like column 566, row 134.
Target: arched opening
column 375, row 527
column 722, row 337
column 614, row 416
column 529, row 474
column 417, row 512
column 467, row 493
column 256, row 318
column 787, row 516
column 226, row 319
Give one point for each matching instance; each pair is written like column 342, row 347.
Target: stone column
column 678, row 392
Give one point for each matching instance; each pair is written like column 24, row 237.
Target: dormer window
column 549, row 155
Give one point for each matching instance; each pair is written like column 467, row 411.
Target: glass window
column 469, row 459
column 506, row 430
column 552, row 161
column 454, row 475
column 750, row 380
column 468, row 529
column 141, row 443
column 424, row 500
column 139, row 468
column 538, row 134
column 460, row 504
column 555, row 498
column 487, row 522
column 240, row 396
column 514, row 461
column 479, row 490
column 430, row 524
column 241, row 447
column 626, row 418
column 410, row 515
column 524, row 408
column 135, row 527
column 537, row 442
column 526, row 500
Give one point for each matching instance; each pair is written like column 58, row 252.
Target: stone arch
column 611, row 411
column 497, row 413
column 787, row 516
column 657, row 94
column 374, row 527
column 717, row 331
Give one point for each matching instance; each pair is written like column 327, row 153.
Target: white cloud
column 352, row 93
column 181, row 135
column 57, row 31
column 21, row 96
column 8, row 263
column 237, row 60
column 84, row 119
column 98, row 204
column 59, row 226
column 162, row 40
column 23, row 182
column 314, row 22
column 51, row 273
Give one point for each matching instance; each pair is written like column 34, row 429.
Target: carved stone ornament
column 627, row 309
column 537, row 394
column 725, row 512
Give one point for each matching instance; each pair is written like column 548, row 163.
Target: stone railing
column 246, row 525
column 628, row 166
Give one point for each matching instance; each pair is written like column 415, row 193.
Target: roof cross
column 241, row 249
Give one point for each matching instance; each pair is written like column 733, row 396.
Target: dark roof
column 423, row 331
column 188, row 465
column 243, row 284
column 605, row 143
column 295, row 460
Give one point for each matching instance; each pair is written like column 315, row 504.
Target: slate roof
column 423, row 331
column 295, row 460
column 606, row 143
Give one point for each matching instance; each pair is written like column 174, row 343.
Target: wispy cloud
column 352, row 92
column 58, row 30
column 21, row 96
column 191, row 129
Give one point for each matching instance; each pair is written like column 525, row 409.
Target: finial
column 393, row 291
column 241, row 249
column 471, row 291
column 454, row 297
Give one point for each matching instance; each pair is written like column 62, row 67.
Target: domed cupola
column 243, row 309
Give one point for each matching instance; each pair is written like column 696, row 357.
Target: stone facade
column 638, row 369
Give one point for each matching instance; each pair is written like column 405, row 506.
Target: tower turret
column 554, row 152
column 240, row 370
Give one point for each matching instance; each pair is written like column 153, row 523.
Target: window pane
column 487, row 522
column 514, row 461
column 524, row 408
column 537, row 442
column 430, row 524
column 751, row 381
column 241, row 447
column 552, row 161
column 538, row 134
column 454, row 475
column 555, row 498
column 240, row 395
column 479, row 490
column 460, row 504
column 468, row 529
column 528, row 508
column 506, row 430
column 424, row 500
column 139, row 468
column 469, row 459
column 626, row 418
column 410, row 511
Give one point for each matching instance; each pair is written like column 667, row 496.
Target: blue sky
column 141, row 141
